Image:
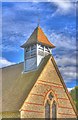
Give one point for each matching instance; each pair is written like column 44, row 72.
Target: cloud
column 63, row 41
column 12, row 41
column 69, row 89
column 63, row 7
column 65, row 49
column 69, row 73
column 4, row 62
column 22, row 21
column 17, row 25
column 22, row 18
column 64, row 60
column 67, row 67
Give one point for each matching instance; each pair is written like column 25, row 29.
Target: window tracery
column 50, row 107
column 50, row 96
column 54, row 110
column 47, row 110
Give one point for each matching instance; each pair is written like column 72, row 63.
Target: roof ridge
column 37, row 33
column 11, row 65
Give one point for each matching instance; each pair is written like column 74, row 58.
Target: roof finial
column 38, row 20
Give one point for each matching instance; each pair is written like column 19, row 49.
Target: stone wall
column 11, row 114
column 34, row 105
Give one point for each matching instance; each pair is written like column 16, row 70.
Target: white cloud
column 64, row 41
column 63, row 7
column 4, row 62
column 65, row 60
column 67, row 67
column 69, row 89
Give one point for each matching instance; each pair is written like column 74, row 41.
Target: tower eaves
column 38, row 36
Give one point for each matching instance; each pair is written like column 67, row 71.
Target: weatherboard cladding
column 26, row 92
column 38, row 36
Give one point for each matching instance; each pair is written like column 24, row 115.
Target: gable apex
column 46, row 78
column 50, row 79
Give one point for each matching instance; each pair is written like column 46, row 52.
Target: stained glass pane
column 47, row 111
column 50, row 96
column 54, row 111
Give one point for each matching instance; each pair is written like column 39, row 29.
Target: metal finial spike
column 38, row 21
column 38, row 18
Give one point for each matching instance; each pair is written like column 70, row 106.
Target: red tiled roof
column 38, row 36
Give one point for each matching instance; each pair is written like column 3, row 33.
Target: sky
column 57, row 20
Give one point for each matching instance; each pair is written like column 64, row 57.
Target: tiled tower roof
column 38, row 36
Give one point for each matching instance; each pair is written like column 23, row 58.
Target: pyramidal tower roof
column 38, row 36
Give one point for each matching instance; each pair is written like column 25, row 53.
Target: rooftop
column 38, row 36
column 16, row 85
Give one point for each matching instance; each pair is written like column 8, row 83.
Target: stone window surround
column 54, row 99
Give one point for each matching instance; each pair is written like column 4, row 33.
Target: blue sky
column 58, row 21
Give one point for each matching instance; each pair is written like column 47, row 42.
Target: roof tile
column 38, row 36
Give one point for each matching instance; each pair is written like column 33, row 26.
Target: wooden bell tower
column 35, row 49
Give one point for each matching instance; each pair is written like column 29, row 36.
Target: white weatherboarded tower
column 35, row 49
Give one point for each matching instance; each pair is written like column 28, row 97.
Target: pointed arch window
column 54, row 110
column 50, row 96
column 50, row 107
column 47, row 110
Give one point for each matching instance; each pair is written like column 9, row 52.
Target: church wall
column 11, row 115
column 0, row 116
column 34, row 106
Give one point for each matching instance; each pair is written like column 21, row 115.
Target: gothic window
column 54, row 110
column 50, row 107
column 50, row 96
column 47, row 110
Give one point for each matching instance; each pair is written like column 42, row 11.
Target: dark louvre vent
column 41, row 53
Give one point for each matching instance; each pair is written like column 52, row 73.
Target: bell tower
column 35, row 49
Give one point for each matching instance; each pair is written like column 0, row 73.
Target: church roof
column 38, row 36
column 17, row 85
